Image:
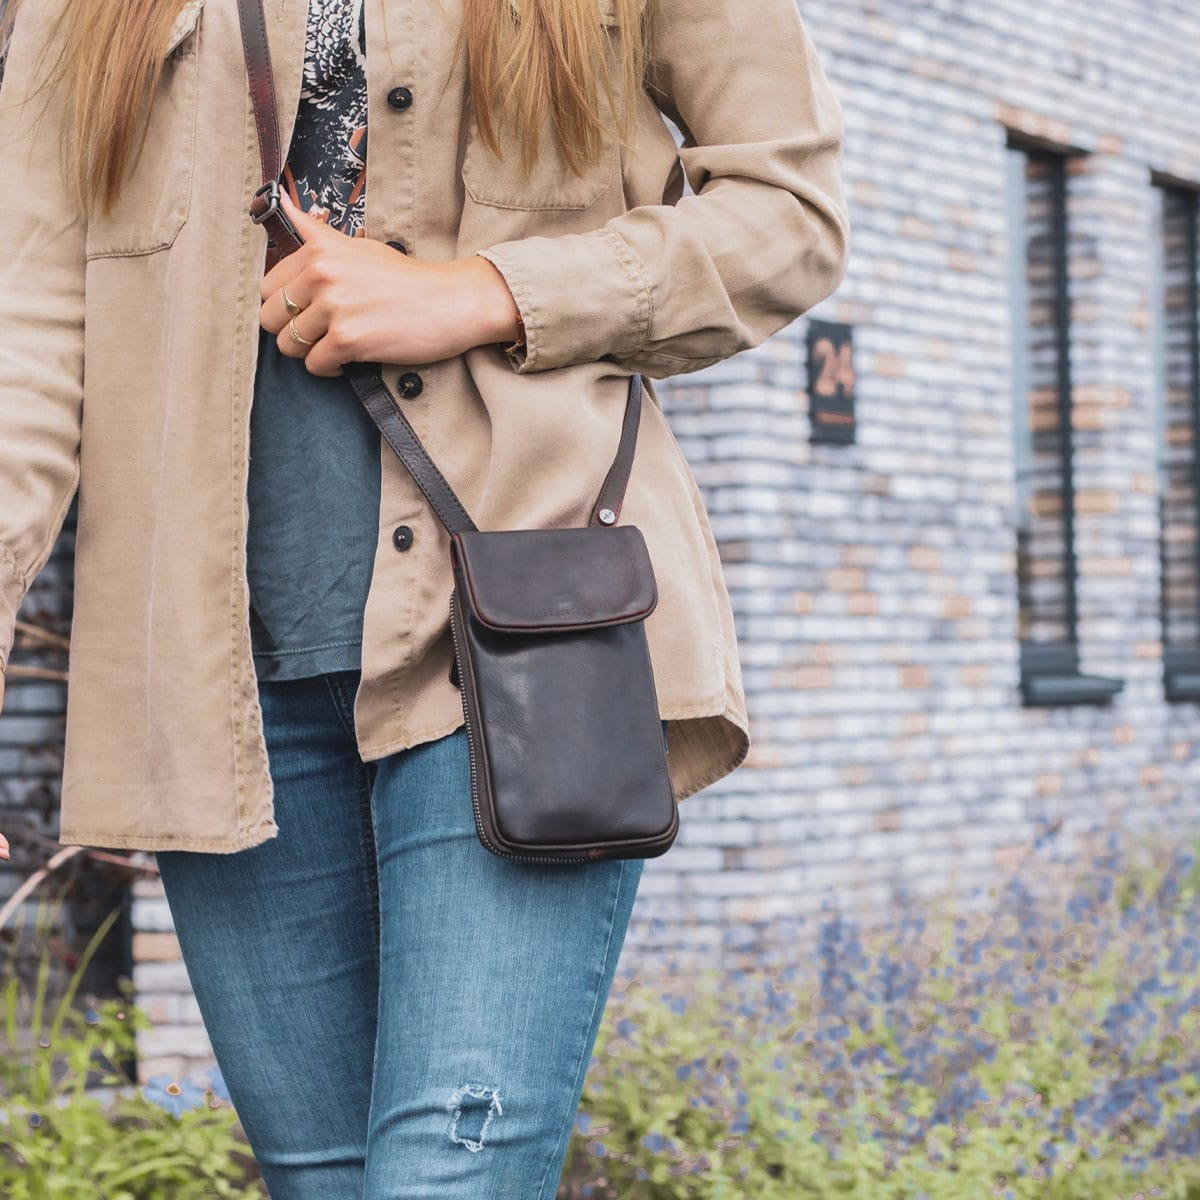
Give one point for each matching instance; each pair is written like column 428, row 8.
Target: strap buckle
column 270, row 189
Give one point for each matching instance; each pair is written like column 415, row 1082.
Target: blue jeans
column 398, row 1013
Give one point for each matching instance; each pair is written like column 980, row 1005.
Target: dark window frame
column 1181, row 662
column 1050, row 672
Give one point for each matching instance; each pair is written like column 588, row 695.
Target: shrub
column 165, row 1141
column 1048, row 1049
column 1044, row 1047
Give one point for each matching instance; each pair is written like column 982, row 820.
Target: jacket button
column 410, row 384
column 399, row 98
column 402, row 537
column 399, row 245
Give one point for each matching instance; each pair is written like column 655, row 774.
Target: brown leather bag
column 568, row 754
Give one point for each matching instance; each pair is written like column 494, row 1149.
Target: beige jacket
column 128, row 352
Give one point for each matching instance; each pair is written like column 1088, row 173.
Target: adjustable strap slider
column 260, row 212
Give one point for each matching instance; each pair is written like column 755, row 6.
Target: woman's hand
column 3, row 846
column 364, row 301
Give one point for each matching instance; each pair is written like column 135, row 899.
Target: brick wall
column 875, row 584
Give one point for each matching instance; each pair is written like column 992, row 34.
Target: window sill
column 1069, row 687
column 1182, row 685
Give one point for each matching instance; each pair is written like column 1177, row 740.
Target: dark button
column 402, row 537
column 410, row 384
column 400, row 98
column 399, row 245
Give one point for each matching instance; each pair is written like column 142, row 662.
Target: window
column 1177, row 363
column 1042, row 432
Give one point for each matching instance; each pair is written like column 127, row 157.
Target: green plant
column 58, row 1141
column 1040, row 1049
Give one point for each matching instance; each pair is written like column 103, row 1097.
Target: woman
column 259, row 682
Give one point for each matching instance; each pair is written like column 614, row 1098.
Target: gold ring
column 292, row 306
column 296, row 337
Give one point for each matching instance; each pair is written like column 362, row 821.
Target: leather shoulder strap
column 367, row 378
column 262, row 85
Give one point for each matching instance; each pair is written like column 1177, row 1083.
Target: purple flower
column 176, row 1096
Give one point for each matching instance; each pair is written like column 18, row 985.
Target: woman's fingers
column 312, row 324
column 3, row 846
column 274, row 313
column 286, row 272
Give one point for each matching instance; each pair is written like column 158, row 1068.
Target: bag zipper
column 475, row 802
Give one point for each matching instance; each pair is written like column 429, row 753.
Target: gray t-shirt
column 313, row 490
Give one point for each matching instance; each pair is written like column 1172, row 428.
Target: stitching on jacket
column 255, row 835
column 240, row 698
column 633, row 269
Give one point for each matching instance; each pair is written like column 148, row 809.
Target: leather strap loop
column 612, row 491
column 367, row 378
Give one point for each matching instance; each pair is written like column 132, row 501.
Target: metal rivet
column 607, row 516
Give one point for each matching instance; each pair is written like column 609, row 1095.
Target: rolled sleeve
column 669, row 288
column 611, row 315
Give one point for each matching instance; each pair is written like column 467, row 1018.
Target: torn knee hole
column 472, row 1108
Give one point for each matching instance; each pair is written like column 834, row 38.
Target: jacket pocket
column 154, row 200
column 550, row 184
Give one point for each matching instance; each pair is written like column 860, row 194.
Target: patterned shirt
column 326, row 170
column 313, row 490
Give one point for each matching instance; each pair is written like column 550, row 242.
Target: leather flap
column 524, row 580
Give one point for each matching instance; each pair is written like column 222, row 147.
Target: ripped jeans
column 398, row 1013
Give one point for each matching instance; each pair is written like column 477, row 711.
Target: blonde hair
column 528, row 61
